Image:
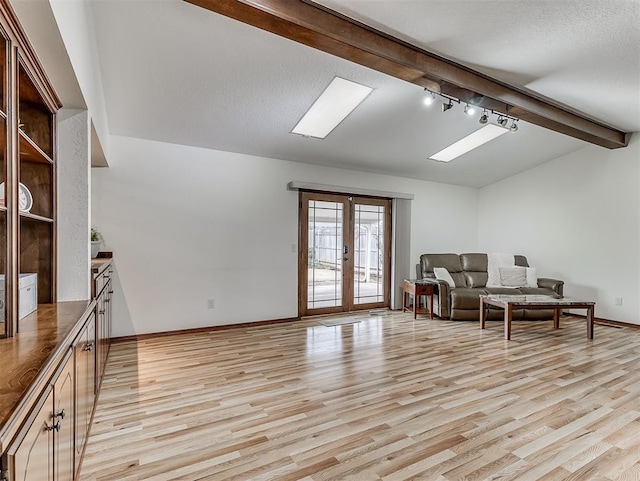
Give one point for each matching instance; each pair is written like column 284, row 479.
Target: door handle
column 54, row 427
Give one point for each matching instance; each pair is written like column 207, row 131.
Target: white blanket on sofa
column 494, row 262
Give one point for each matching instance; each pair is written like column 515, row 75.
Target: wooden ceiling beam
column 324, row 29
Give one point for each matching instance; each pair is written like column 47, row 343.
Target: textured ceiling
column 583, row 53
column 177, row 73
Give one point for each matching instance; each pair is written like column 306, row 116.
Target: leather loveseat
column 469, row 272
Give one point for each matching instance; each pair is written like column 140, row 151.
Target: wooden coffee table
column 511, row 302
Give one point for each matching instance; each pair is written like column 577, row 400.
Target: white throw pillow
column 443, row 274
column 495, row 261
column 532, row 277
column 513, row 276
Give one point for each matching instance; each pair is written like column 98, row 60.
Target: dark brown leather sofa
column 469, row 271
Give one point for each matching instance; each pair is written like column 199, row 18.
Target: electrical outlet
column 211, row 303
column 618, row 301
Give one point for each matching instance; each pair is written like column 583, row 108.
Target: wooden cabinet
column 33, row 457
column 63, row 415
column 44, row 449
column 85, row 355
column 44, row 436
column 102, row 290
column 27, row 172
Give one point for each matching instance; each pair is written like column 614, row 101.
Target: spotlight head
column 503, row 121
column 513, row 127
column 429, row 98
column 484, row 118
column 470, row 110
column 448, row 106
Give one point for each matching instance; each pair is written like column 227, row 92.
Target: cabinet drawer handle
column 101, row 312
column 107, row 300
column 110, row 292
column 59, row 414
column 88, row 347
column 54, row 427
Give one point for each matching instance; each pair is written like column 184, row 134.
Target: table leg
column 508, row 316
column 590, row 320
column 482, row 313
column 431, row 305
column 556, row 318
column 415, row 306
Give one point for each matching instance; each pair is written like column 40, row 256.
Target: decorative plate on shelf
column 25, row 199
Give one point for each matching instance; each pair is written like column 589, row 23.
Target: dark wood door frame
column 348, row 266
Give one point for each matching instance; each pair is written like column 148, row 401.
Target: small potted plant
column 96, row 242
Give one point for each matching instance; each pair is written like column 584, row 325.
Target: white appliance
column 27, row 296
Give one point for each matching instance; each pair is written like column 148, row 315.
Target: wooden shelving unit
column 27, row 160
column 6, row 326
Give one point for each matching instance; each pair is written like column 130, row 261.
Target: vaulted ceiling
column 176, row 72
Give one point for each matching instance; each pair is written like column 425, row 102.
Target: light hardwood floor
column 388, row 398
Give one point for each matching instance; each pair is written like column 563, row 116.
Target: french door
column 345, row 253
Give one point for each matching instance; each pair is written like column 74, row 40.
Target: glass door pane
column 3, row 225
column 369, row 249
column 325, row 253
column 3, row 185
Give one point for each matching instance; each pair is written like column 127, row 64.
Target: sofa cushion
column 510, row 291
column 521, row 261
column 465, row 298
column 475, row 269
column 476, row 279
column 451, row 262
column 538, row 291
column 532, row 277
column 474, row 262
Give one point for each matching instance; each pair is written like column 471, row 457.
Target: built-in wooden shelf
column 39, row 218
column 29, row 150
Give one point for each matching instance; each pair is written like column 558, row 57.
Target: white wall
column 73, row 205
column 75, row 22
column 187, row 224
column 576, row 218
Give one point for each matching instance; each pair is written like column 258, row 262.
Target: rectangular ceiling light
column 337, row 101
column 470, row 142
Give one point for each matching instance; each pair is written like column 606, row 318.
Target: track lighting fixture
column 429, row 98
column 470, row 110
